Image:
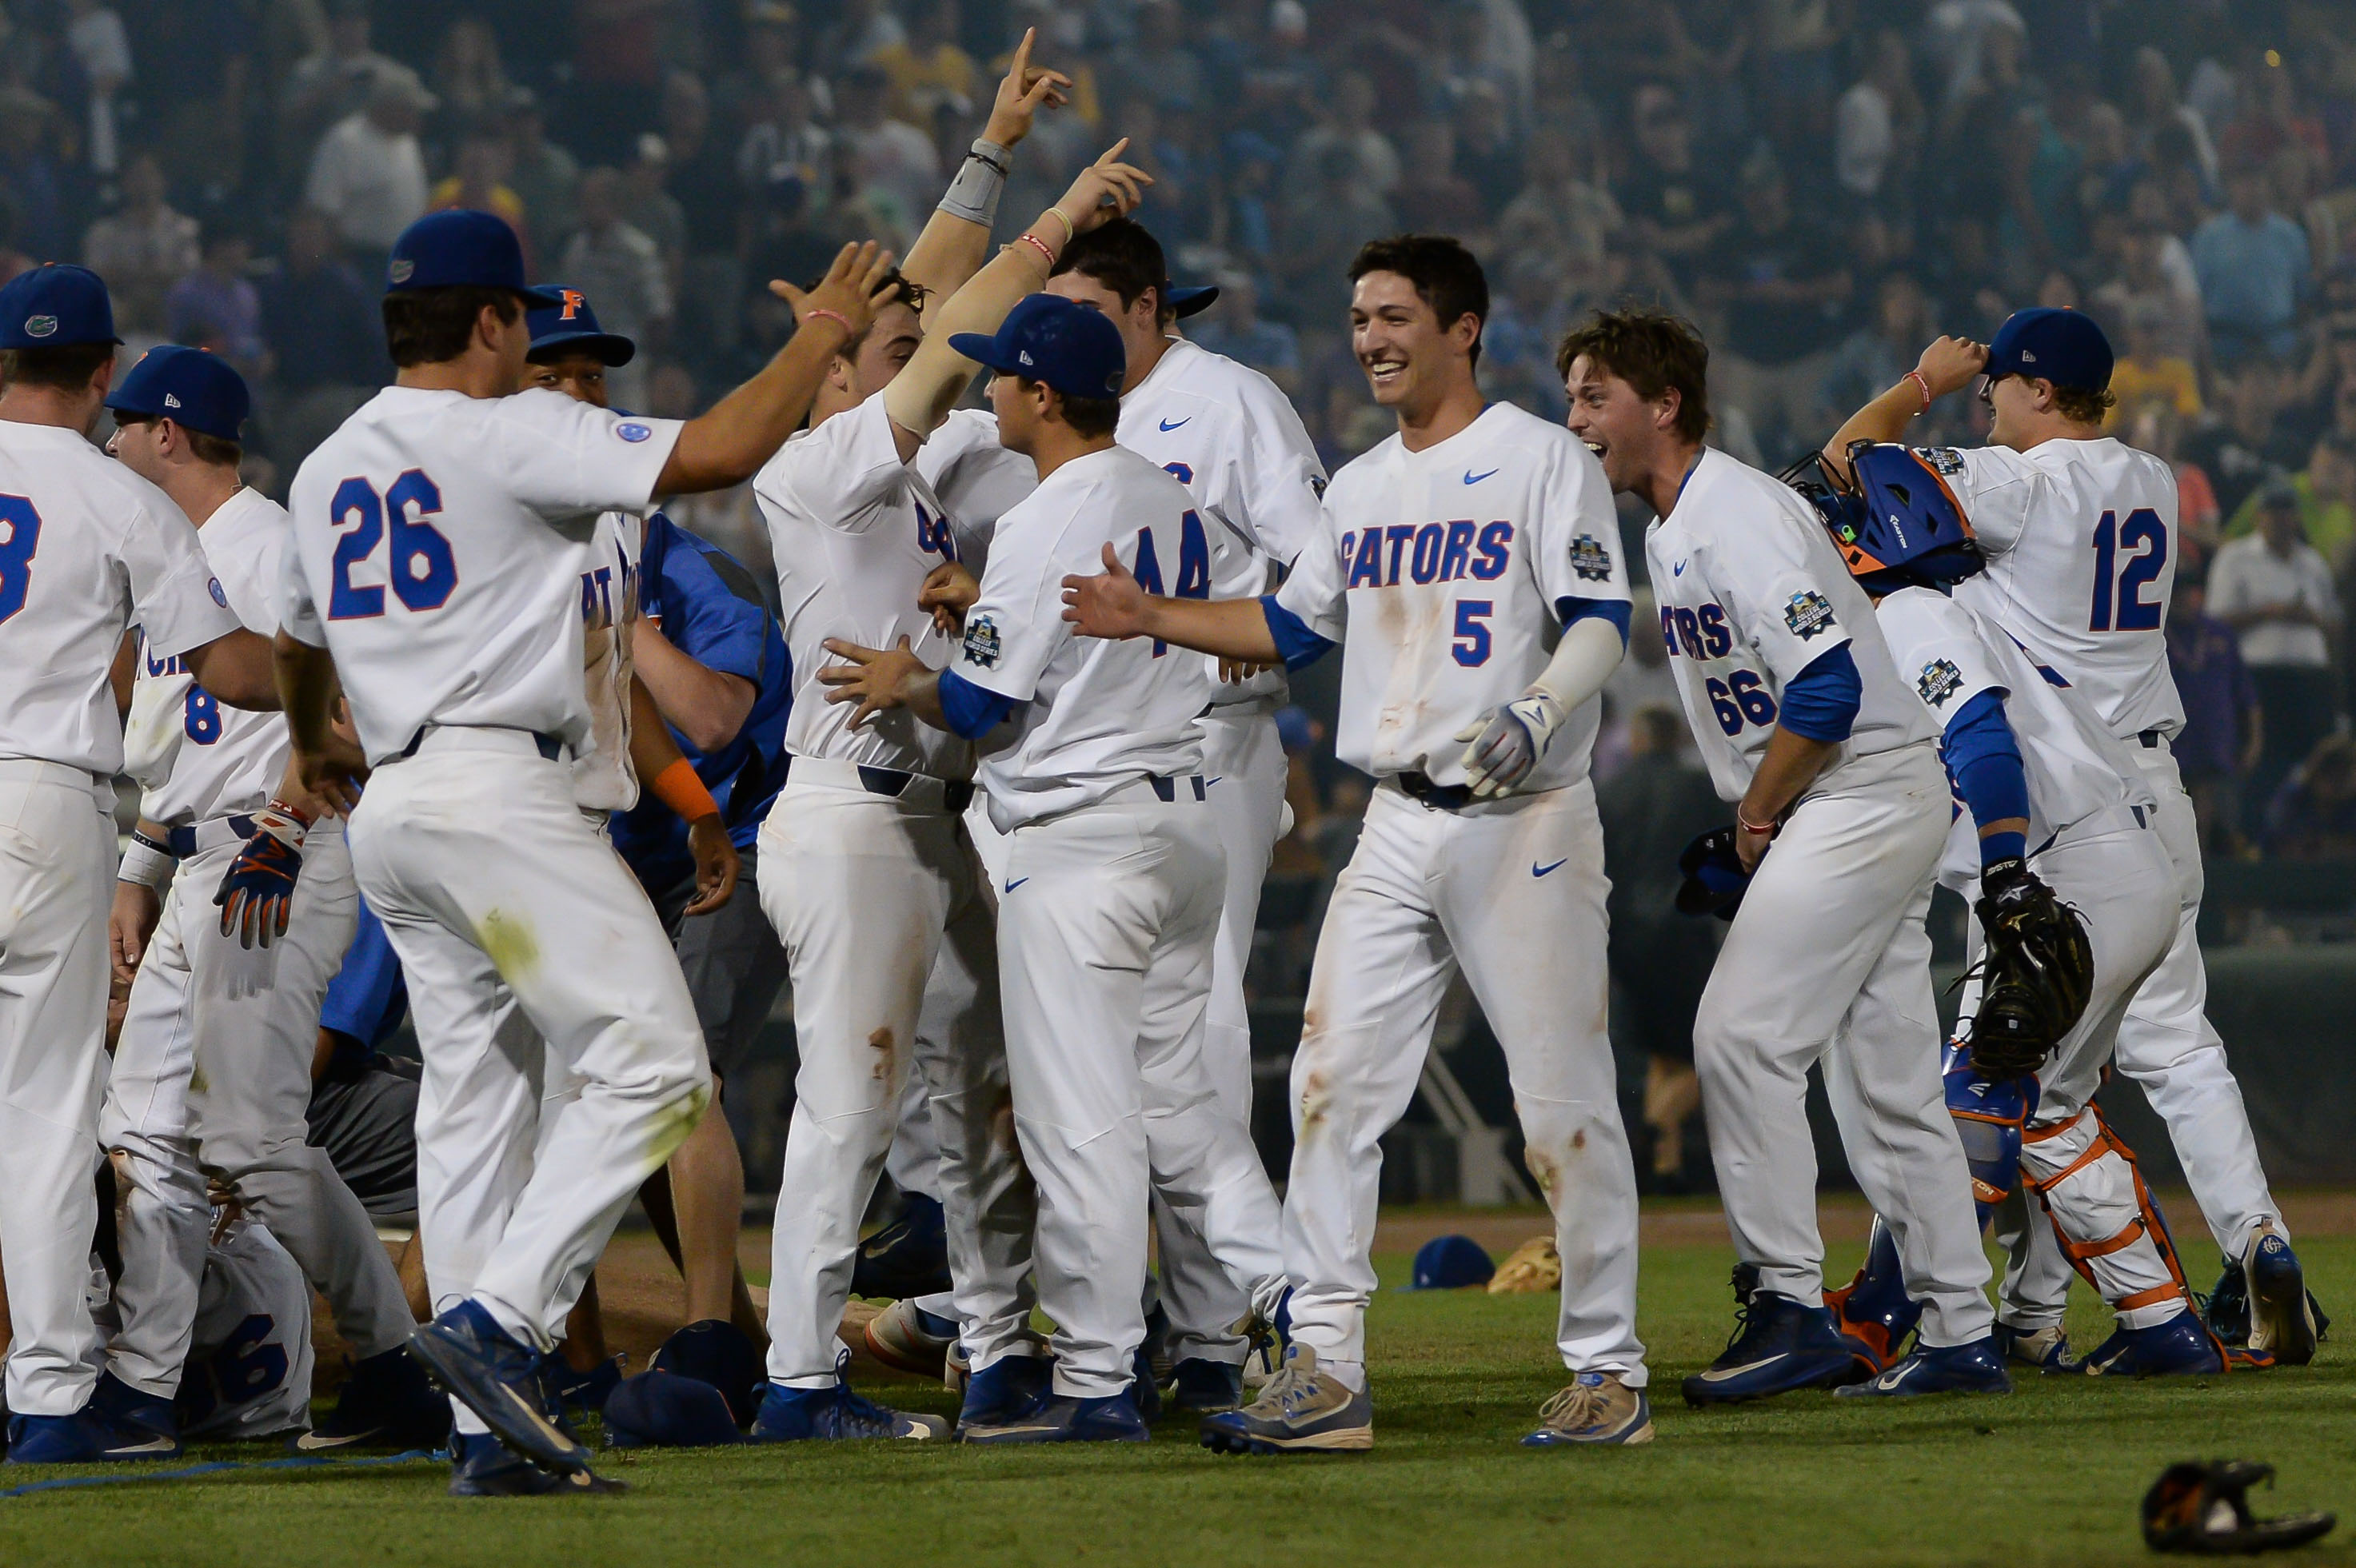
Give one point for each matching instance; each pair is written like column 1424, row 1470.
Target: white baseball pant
column 517, row 925
column 57, row 875
column 878, row 894
column 1511, row 891
column 1105, row 935
column 212, row 1079
column 1243, row 777
column 1828, row 961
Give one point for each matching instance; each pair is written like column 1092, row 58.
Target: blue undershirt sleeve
column 1295, row 642
column 1821, row 704
column 1984, row 764
column 1570, row 608
column 971, row 711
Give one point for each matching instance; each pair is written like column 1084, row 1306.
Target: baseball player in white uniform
column 2058, row 823
column 1799, row 713
column 88, row 550
column 1114, row 873
column 2081, row 535
column 1233, row 439
column 459, row 647
column 1468, row 567
column 212, row 1069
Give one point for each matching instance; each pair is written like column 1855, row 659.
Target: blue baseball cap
column 461, row 249
column 570, row 327
column 2063, row 346
column 195, row 389
column 1047, row 338
column 1190, row 300
column 1450, row 1263
column 53, row 307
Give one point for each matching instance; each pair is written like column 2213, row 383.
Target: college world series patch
column 1939, row 681
column 1590, row 559
column 1807, row 614
column 981, row 641
column 1943, row 460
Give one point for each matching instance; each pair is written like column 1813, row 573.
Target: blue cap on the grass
column 55, row 306
column 570, row 327
column 666, row 1410
column 1450, row 1263
column 195, row 389
column 461, row 249
column 2063, row 346
column 1047, row 338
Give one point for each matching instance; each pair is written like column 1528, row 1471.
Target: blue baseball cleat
column 1201, row 1386
column 2281, row 1319
column 497, row 1376
column 1061, row 1419
column 2180, row 1346
column 483, row 1467
column 1008, row 1387
column 1779, row 1345
column 586, row 1391
column 388, row 1399
column 1596, row 1408
column 2046, row 1348
column 135, row 1411
column 85, row 1437
column 1975, row 1368
column 907, row 1258
column 834, row 1415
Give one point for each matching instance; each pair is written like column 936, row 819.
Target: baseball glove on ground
column 2200, row 1511
column 2037, row 974
column 1534, row 1268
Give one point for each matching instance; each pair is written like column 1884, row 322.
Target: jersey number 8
column 23, row 526
column 422, row 570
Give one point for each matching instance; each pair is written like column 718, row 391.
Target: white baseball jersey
column 604, row 779
column 2076, row 770
column 1448, row 569
column 2080, row 539
column 1751, row 592
column 977, row 479
column 250, row 1360
column 855, row 532
column 1090, row 715
column 88, row 550
column 199, row 758
column 439, row 542
column 1232, row 437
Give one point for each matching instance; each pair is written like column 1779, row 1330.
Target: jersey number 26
column 422, row 570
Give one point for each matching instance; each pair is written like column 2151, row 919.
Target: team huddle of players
column 995, row 789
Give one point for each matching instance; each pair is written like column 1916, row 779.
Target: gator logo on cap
column 40, row 325
column 402, row 270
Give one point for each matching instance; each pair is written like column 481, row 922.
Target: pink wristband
column 835, row 316
column 1754, row 829
column 1027, row 238
column 1921, row 386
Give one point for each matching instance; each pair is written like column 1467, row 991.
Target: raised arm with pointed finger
column 957, row 237
column 921, row 396
column 727, row 445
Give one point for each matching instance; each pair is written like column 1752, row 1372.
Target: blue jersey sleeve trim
column 971, row 711
column 1295, row 642
column 1570, row 607
column 1821, row 704
column 1983, row 764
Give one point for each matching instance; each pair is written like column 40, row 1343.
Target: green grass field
column 2051, row 1474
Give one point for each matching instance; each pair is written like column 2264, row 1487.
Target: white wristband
column 145, row 863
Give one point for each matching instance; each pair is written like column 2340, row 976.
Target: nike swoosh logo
column 1208, row 783
column 1720, row 1374
column 1017, row 883
column 153, row 1446
column 1473, row 478
column 1678, row 570
column 1538, row 871
column 1169, row 425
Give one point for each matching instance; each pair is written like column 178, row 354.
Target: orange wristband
column 677, row 787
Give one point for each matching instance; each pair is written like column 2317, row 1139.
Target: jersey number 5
column 2143, row 540
column 422, row 570
column 20, row 535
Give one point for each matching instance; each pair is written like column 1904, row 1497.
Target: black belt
column 1167, row 788
column 2150, row 740
column 550, row 748
column 1438, row 797
column 956, row 793
column 182, row 841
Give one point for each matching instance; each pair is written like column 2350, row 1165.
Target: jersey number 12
column 2119, row 604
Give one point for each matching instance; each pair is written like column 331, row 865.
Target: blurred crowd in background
column 1824, row 184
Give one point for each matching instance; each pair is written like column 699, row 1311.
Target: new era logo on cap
column 170, row 401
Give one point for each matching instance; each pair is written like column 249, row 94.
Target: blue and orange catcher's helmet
column 1898, row 525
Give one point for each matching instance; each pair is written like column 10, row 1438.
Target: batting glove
column 1507, row 742
column 259, row 888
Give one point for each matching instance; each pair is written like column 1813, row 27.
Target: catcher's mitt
column 2199, row 1510
column 1715, row 880
column 1534, row 1268
column 2036, row 977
